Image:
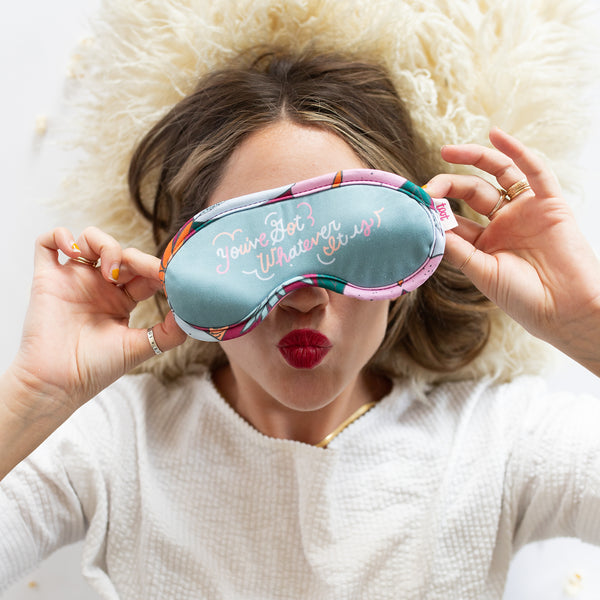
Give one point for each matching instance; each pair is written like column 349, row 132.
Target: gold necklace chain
column 361, row 411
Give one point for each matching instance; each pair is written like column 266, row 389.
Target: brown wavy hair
column 442, row 325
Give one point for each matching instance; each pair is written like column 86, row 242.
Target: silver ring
column 152, row 341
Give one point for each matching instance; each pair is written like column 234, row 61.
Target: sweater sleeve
column 45, row 502
column 554, row 468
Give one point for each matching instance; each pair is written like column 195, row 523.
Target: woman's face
column 311, row 348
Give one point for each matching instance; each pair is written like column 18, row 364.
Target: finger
column 540, row 178
column 479, row 194
column 140, row 288
column 167, row 335
column 490, row 160
column 135, row 263
column 468, row 230
column 140, row 274
column 474, row 263
column 457, row 249
column 48, row 244
column 96, row 244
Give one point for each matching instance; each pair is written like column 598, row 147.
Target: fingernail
column 114, row 272
column 75, row 247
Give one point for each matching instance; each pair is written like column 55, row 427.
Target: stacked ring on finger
column 85, row 261
column 516, row 189
column 511, row 193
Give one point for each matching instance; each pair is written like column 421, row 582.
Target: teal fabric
column 240, row 258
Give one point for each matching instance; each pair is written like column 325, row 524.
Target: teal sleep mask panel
column 367, row 234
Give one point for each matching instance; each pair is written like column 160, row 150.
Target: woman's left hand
column 531, row 259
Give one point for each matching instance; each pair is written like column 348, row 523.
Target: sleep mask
column 363, row 233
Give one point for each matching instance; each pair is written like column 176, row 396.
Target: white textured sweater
column 178, row 497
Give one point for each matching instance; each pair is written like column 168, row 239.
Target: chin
column 308, row 389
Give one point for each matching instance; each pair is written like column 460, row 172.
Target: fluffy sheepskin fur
column 461, row 66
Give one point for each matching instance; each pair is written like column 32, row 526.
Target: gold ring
column 85, row 261
column 126, row 292
column 517, row 188
column 502, row 200
column 466, row 261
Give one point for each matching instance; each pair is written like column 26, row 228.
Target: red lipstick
column 304, row 348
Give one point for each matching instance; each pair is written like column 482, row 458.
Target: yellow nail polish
column 115, row 274
column 75, row 247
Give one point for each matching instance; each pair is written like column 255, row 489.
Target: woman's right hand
column 76, row 337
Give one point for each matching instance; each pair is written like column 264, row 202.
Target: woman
column 218, row 486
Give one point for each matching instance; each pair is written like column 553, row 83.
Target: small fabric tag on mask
column 447, row 218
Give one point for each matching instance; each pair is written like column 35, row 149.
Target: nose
column 305, row 299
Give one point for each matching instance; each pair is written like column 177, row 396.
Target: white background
column 36, row 42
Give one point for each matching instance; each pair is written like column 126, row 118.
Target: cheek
column 369, row 322
column 239, row 347
column 247, row 349
column 380, row 320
